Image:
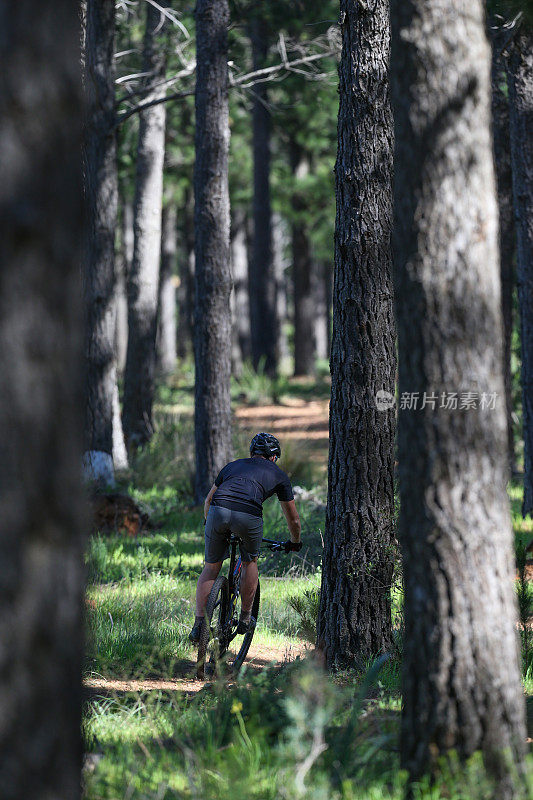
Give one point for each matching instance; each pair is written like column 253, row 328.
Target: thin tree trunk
column 241, row 345
column 120, row 454
column 186, row 287
column 126, row 256
column 461, row 679
column 520, row 75
column 212, row 330
column 41, row 401
column 143, row 280
column 281, row 265
column 304, row 306
column 262, row 280
column 320, row 303
column 328, row 280
column 504, row 183
column 101, row 188
column 355, row 614
column 166, row 350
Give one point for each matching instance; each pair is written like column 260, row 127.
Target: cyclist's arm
column 208, row 499
column 293, row 519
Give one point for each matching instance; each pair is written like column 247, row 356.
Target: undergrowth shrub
column 167, row 459
column 296, row 460
column 307, row 606
column 283, row 733
column 525, row 610
column 256, row 387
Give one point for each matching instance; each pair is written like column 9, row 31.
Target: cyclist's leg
column 249, row 579
column 216, row 550
column 205, row 583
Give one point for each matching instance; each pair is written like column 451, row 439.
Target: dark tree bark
column 304, row 302
column 143, row 279
column 41, row 401
column 355, row 616
column 240, row 307
column 520, row 74
column 262, row 280
column 504, row 184
column 166, row 344
column 126, row 257
column 461, row 679
column 101, row 188
column 212, row 319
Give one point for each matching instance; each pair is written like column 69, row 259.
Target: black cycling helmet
column 264, row 444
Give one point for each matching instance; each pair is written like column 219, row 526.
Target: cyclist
column 235, row 505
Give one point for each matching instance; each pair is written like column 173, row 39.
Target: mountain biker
column 235, row 505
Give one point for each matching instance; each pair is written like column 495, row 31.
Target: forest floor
column 260, row 656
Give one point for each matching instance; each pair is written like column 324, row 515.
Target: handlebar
column 278, row 547
column 273, row 545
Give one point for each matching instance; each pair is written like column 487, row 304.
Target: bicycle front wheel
column 212, row 637
column 247, row 639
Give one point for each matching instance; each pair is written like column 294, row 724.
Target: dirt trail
column 258, row 658
column 304, row 422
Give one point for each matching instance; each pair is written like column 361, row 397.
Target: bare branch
column 242, row 81
column 131, row 77
column 184, row 73
column 149, row 103
column 126, row 52
column 171, row 15
column 245, row 81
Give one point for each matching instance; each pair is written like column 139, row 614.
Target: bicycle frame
column 234, row 575
column 235, row 571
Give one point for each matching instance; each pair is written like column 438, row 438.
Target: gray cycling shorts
column 223, row 521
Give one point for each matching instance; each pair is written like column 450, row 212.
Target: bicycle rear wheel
column 212, row 637
column 247, row 639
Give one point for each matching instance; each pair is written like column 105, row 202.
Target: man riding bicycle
column 235, row 505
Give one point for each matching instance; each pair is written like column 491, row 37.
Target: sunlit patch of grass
column 139, row 626
column 523, row 528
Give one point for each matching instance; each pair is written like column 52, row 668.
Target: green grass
column 285, row 732
column 252, row 738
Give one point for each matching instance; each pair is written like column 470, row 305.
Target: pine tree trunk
column 41, row 400
column 143, row 280
column 120, row 454
column 520, row 74
column 262, row 280
column 320, row 302
column 212, row 319
column 101, row 189
column 240, row 311
column 166, row 344
column 186, row 286
column 304, row 306
column 126, row 257
column 355, row 614
column 461, row 680
column 504, row 184
column 280, row 243
column 328, row 279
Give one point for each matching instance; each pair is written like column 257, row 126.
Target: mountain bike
column 222, row 617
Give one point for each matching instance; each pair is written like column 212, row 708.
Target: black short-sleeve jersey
column 244, row 485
